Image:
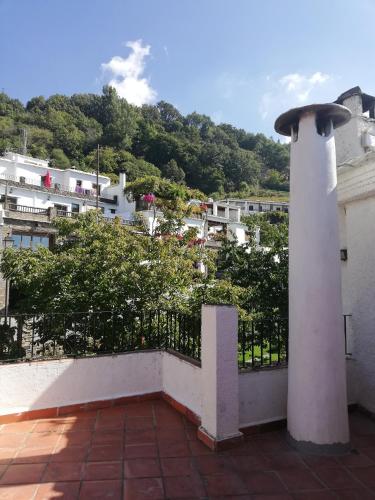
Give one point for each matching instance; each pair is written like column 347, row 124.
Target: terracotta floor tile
column 198, row 448
column 336, row 478
column 106, row 452
column 246, row 463
column 137, row 423
column 354, row 494
column 174, row 449
column 176, row 466
column 142, row 467
column 70, row 454
column 184, row 487
column 101, row 490
column 80, row 438
column 13, row 440
column 68, row 491
column 19, row 474
column 109, row 424
column 366, row 475
column 315, row 495
column 263, row 483
column 64, row 471
column 213, row 464
column 283, row 460
column 140, row 451
column 142, row 436
column 143, row 489
column 21, row 492
column 18, row 427
column 224, row 484
column 7, row 454
column 298, row 479
column 107, row 436
column 314, row 461
column 138, row 410
column 355, row 460
column 102, row 470
column 49, row 426
column 85, row 424
column 172, row 434
column 33, row 455
column 42, row 440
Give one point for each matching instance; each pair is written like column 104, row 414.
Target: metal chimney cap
column 336, row 112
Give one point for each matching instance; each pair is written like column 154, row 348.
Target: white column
column 220, row 415
column 317, row 399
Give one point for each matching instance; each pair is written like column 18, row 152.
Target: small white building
column 29, row 183
column 251, row 206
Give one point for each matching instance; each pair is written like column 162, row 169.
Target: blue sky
column 238, row 61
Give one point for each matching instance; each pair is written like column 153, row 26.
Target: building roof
column 367, row 99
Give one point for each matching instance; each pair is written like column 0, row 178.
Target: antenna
column 23, row 141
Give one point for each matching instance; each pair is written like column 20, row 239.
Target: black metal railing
column 262, row 342
column 27, row 337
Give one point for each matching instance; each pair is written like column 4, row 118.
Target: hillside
column 151, row 140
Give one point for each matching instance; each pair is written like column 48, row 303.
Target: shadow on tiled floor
column 148, row 451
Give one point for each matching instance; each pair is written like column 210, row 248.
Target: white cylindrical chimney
column 122, row 179
column 317, row 398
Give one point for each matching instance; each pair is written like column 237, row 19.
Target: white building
column 355, row 143
column 250, row 206
column 30, row 186
column 24, row 185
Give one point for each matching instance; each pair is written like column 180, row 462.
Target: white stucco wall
column 182, row 381
column 263, row 396
column 358, row 277
column 46, row 384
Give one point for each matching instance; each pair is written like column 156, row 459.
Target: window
column 61, row 208
column 277, row 209
column 260, row 208
column 33, row 241
column 75, row 208
column 251, row 208
column 22, row 180
column 78, row 183
column 113, row 210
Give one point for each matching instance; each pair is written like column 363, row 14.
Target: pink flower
column 149, row 198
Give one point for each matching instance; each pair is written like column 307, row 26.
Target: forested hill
column 151, row 140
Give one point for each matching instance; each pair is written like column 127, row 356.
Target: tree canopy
column 149, row 140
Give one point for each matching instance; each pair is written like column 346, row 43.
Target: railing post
column 220, row 413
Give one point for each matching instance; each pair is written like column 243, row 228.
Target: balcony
column 57, row 188
column 115, row 405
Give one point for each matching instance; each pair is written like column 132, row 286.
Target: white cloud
column 127, row 74
column 302, row 85
column 293, row 89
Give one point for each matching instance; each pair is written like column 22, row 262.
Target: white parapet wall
column 48, row 384
column 182, row 381
column 263, row 396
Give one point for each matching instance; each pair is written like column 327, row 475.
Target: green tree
column 173, row 172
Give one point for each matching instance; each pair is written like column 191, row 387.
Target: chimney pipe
column 122, row 179
column 317, row 399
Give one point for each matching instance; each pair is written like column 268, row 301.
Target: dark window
column 78, row 183
column 260, row 208
column 22, row 180
column 75, row 208
column 62, row 208
column 277, row 209
column 251, row 207
column 113, row 210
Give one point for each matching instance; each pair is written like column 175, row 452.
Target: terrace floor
column 149, row 451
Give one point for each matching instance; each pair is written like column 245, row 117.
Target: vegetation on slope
column 147, row 141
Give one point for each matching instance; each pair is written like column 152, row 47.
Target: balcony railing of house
column 23, row 208
column 56, row 187
column 27, row 337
